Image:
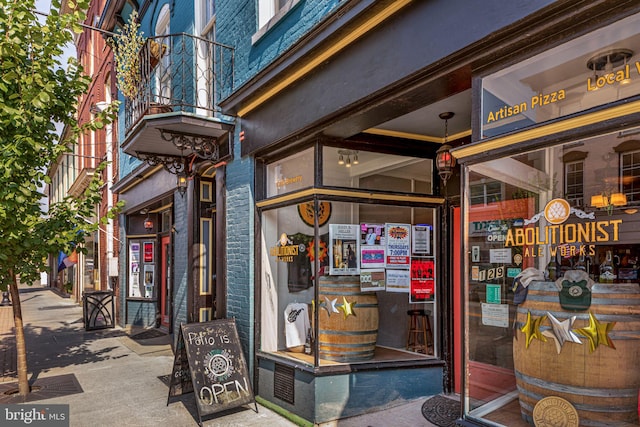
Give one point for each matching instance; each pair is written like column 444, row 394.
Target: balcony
column 175, row 113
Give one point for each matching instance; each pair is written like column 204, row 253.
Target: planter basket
column 156, row 52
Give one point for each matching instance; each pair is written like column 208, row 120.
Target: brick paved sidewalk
column 7, row 345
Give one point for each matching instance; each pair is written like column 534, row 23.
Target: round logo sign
column 307, row 214
column 217, row 365
column 575, row 291
column 557, row 211
column 555, row 411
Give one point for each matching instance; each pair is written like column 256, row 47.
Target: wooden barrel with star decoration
column 347, row 320
column 591, row 362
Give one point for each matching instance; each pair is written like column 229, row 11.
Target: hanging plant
column 126, row 46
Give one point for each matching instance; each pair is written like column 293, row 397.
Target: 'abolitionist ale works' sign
column 209, row 361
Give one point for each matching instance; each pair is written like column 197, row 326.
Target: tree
column 37, row 91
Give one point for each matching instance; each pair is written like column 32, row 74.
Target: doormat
column 42, row 388
column 148, row 334
column 441, row 411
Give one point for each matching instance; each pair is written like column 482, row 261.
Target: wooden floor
column 508, row 415
column 381, row 354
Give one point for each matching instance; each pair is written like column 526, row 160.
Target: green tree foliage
column 36, row 91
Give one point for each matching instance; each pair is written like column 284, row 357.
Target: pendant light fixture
column 445, row 162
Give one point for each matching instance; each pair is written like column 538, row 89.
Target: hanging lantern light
column 445, row 162
column 182, row 182
column 148, row 224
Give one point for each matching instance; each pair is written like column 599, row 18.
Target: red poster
column 422, row 280
column 148, row 251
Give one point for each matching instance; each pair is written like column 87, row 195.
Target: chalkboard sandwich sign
column 209, row 362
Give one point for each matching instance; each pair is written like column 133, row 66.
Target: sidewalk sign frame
column 209, row 362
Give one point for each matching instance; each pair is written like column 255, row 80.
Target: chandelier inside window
column 348, row 158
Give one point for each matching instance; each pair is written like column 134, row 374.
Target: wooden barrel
column 351, row 338
column 602, row 385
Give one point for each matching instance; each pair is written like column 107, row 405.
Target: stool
column 420, row 336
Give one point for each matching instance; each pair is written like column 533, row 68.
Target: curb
column 283, row 412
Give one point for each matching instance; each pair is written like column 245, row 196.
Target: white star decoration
column 330, row 306
column 561, row 331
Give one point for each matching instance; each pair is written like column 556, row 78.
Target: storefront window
column 376, row 171
column 372, row 264
column 593, row 70
column 368, row 275
column 141, row 269
column 290, row 174
column 553, row 299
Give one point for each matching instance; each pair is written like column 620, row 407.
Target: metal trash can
column 98, row 309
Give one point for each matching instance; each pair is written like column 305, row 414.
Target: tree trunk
column 21, row 348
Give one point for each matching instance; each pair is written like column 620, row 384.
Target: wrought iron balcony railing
column 181, row 73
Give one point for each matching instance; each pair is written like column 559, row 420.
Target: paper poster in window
column 398, row 238
column 372, row 256
column 372, row 280
column 421, row 239
column 372, row 234
column 422, row 280
column 134, row 285
column 398, row 281
column 149, row 270
column 134, row 270
column 148, row 251
column 344, row 248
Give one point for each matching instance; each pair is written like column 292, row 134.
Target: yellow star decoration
column 532, row 329
column 347, row 307
column 597, row 333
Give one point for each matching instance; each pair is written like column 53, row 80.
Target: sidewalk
column 109, row 379
column 121, row 380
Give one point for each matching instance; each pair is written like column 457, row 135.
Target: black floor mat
column 42, row 388
column 441, row 411
column 148, row 334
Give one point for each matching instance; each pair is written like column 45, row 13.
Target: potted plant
column 156, row 52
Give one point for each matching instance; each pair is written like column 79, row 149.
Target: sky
column 44, row 6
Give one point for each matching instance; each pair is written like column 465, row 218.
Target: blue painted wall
column 321, row 399
column 240, row 201
column 180, row 261
column 237, row 22
column 181, row 21
column 141, row 313
column 126, row 163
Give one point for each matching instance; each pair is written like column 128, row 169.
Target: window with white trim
column 206, row 57
column 163, row 73
column 630, row 175
column 574, row 183
column 484, row 193
column 267, row 9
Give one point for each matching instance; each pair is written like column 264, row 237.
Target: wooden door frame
column 165, row 280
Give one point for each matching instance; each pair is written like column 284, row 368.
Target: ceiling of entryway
column 425, row 122
column 566, row 66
